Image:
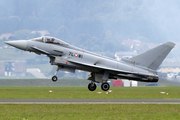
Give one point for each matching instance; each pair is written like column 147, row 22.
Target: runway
column 89, row 101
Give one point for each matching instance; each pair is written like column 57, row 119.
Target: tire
column 54, row 78
column 105, row 86
column 92, row 86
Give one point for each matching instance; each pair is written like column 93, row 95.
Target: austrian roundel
column 76, row 55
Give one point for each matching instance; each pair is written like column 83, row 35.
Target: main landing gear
column 54, row 78
column 104, row 86
column 92, row 86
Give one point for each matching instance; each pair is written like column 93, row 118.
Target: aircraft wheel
column 105, row 86
column 54, row 78
column 92, row 86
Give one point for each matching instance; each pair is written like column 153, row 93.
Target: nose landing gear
column 54, row 78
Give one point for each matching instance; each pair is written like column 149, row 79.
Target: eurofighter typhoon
column 69, row 58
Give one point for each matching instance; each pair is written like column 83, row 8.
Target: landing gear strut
column 54, row 78
column 105, row 86
column 92, row 86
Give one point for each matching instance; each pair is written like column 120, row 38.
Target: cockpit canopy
column 47, row 39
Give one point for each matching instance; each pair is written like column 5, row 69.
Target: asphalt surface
column 89, row 101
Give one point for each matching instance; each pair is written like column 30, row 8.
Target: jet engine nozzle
column 20, row 44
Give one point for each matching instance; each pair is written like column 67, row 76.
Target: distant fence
column 43, row 82
column 49, row 83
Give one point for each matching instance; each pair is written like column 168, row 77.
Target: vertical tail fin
column 153, row 57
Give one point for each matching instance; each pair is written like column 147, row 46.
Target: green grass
column 84, row 93
column 89, row 111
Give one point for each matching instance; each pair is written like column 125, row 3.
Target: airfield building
column 2, row 68
column 12, row 68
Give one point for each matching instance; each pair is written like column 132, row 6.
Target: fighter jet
column 70, row 58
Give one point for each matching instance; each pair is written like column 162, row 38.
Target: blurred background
column 114, row 28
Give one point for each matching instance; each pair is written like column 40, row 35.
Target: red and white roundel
column 76, row 55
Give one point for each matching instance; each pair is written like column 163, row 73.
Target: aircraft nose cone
column 21, row 44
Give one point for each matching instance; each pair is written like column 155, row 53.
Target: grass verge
column 84, row 93
column 89, row 111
